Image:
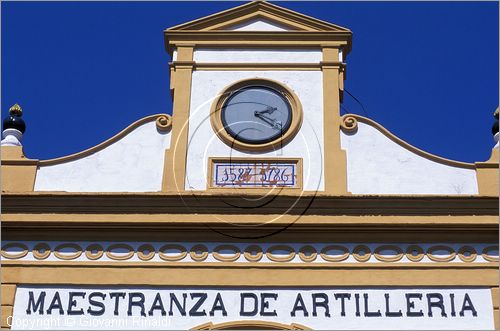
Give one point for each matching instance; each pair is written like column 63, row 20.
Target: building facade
column 256, row 205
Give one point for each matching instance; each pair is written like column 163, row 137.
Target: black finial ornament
column 14, row 120
column 494, row 129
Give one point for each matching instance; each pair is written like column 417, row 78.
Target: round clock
column 256, row 114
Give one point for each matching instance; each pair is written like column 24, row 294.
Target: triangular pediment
column 259, row 24
column 258, row 16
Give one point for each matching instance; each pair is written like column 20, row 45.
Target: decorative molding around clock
column 217, row 121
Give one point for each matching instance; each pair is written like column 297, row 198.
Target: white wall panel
column 132, row 164
column 378, row 165
column 203, row 142
column 258, row 25
column 213, row 55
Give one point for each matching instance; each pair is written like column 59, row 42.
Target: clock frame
column 218, row 124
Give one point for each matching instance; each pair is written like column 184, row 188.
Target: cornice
column 255, row 66
column 262, row 39
column 210, row 203
column 264, row 35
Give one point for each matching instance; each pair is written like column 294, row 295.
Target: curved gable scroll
column 378, row 162
column 130, row 161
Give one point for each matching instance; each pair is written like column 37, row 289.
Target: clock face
column 256, row 115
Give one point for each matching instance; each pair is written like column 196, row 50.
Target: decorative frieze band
column 249, row 252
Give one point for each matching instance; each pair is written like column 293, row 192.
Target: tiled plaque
column 256, row 173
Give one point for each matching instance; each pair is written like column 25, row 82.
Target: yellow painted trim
column 367, row 253
column 18, row 177
column 250, row 325
column 228, row 25
column 412, row 257
column 18, row 172
column 252, row 66
column 466, row 274
column 494, row 296
column 487, row 175
column 106, row 143
column 451, row 253
column 71, row 256
column 94, row 256
column 174, row 173
column 146, row 256
column 164, row 123
column 199, row 257
column 338, row 258
column 349, row 124
column 114, row 256
column 182, row 252
column 6, row 312
column 275, row 258
column 308, row 253
column 200, row 253
column 12, row 153
column 257, row 68
column 359, row 219
column 341, row 82
column 488, row 257
column 176, row 38
column 14, row 256
column 180, row 222
column 334, row 159
column 217, row 123
column 220, row 257
column 244, row 66
column 37, row 251
column 253, row 257
column 398, row 256
column 496, row 317
column 467, row 249
column 256, row 41
column 282, row 264
column 8, row 294
column 172, row 81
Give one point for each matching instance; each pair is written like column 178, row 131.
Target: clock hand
column 265, row 119
column 272, row 122
column 276, row 124
column 269, row 110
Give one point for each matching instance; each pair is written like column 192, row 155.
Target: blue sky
column 83, row 71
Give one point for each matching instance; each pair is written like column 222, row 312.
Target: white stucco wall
column 203, row 142
column 131, row 164
column 378, row 165
column 213, row 55
column 258, row 25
